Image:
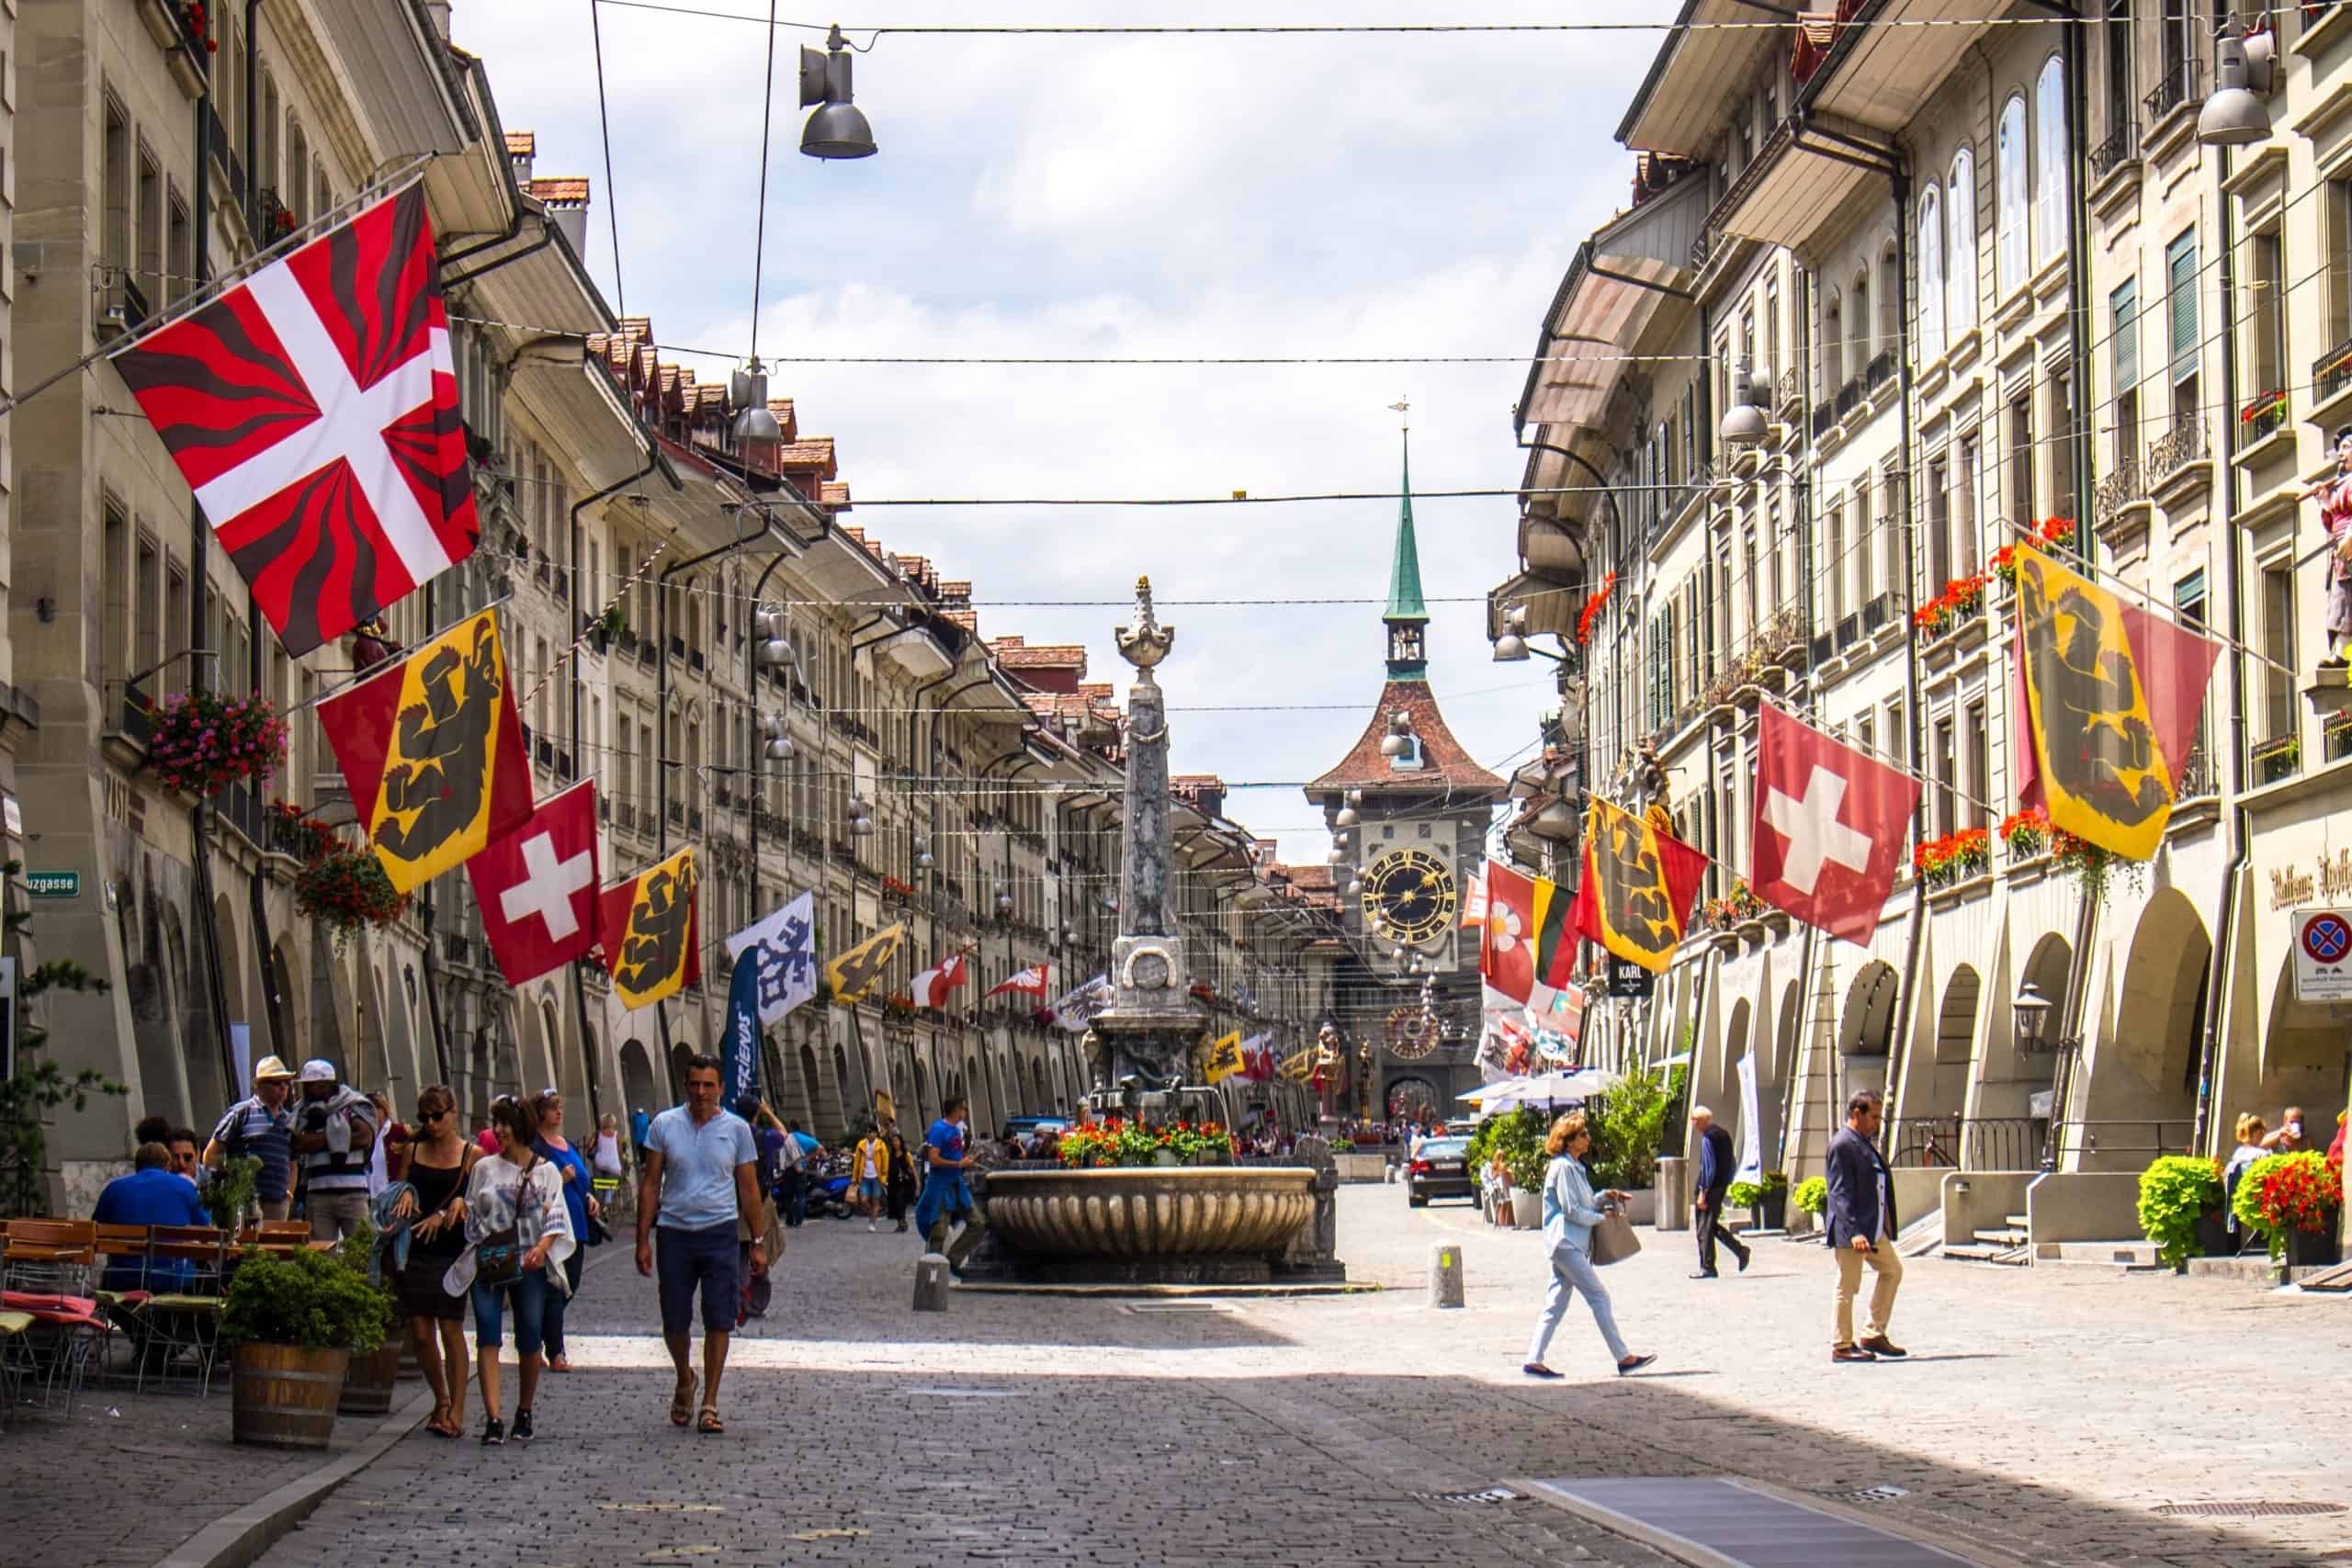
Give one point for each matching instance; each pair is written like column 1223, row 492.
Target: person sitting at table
column 187, row 1159
column 152, row 1194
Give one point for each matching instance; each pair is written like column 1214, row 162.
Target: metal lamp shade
column 1510, row 649
column 2233, row 116
column 838, row 131
column 1743, row 425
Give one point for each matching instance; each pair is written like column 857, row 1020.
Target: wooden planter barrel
column 367, row 1384
column 284, row 1397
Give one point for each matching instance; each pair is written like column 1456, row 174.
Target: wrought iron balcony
column 2175, row 87
column 1849, row 397
column 2332, row 372
column 2118, row 490
column 1881, row 369
column 1824, row 416
column 2174, row 450
column 2122, row 148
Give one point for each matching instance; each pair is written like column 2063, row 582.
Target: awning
column 1796, row 186
column 1881, row 76
column 1698, row 73
column 1604, row 308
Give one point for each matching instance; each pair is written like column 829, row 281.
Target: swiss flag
column 1829, row 828
column 931, row 988
column 536, row 886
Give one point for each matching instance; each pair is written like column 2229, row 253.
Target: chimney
column 439, row 11
column 566, row 200
column 521, row 147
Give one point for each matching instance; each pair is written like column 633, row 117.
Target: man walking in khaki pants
column 1862, row 1227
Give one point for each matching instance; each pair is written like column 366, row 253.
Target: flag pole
column 2115, row 583
column 391, row 664
column 212, row 288
column 1875, row 755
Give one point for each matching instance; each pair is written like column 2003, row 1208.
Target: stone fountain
column 1162, row 1225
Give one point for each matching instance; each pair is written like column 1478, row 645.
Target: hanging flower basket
column 203, row 742
column 1955, row 857
column 2051, row 532
column 2027, row 833
column 295, row 831
column 347, row 889
column 1961, row 598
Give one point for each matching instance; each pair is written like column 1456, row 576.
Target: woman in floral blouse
column 512, row 1188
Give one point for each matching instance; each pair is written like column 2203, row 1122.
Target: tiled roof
column 1447, row 767
column 1014, row 655
column 522, row 143
column 561, row 187
column 814, row 452
column 835, row 494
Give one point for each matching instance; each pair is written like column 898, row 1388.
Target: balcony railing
column 2199, row 775
column 2122, row 148
column 1880, row 370
column 1824, row 416
column 1849, row 397
column 2182, row 445
column 1878, row 612
column 457, row 949
column 2118, row 490
column 2332, row 372
column 2176, row 88
column 273, row 220
column 1792, row 390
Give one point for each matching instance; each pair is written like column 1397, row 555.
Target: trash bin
column 1673, row 1193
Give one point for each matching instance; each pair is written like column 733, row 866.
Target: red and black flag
column 313, row 410
column 1638, row 884
column 2112, row 698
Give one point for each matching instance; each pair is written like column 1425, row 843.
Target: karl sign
column 2322, row 954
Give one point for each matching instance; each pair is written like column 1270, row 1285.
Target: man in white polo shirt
column 701, row 1172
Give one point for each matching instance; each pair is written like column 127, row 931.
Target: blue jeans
column 1573, row 1274
column 557, row 1301
column 529, row 1292
column 945, row 1195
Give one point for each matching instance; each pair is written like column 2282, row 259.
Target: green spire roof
column 1405, row 602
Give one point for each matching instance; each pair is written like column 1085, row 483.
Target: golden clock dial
column 1409, row 896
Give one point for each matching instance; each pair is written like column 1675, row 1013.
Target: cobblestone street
column 2044, row 1415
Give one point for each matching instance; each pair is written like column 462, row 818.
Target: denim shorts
column 684, row 1259
column 870, row 1189
column 528, row 1292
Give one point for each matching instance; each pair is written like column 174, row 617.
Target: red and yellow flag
column 432, row 751
column 1638, row 883
column 2112, row 699
column 652, row 937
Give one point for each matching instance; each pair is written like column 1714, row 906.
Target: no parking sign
column 2322, row 940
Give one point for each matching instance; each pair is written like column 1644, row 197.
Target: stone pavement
column 2044, row 1413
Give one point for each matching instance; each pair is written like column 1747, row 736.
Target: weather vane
column 1403, row 406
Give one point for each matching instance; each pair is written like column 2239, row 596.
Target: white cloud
column 1146, row 196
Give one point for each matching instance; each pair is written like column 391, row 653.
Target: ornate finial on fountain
column 1147, row 642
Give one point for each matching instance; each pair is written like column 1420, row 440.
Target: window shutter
column 2126, row 339
column 2180, row 303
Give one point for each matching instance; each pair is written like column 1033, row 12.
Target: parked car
column 1441, row 1170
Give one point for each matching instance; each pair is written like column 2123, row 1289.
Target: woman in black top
column 436, row 1163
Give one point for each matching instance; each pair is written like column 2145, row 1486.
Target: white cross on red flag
column 1829, row 827
column 313, row 410
column 536, row 886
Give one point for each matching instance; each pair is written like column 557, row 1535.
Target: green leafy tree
column 39, row 1088
column 1628, row 1126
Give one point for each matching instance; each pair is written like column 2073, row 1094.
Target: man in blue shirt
column 945, row 1195
column 701, row 1172
column 640, row 1123
column 150, row 1195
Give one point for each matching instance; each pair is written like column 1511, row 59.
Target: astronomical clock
column 1409, row 897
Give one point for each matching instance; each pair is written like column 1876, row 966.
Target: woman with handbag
column 435, row 1163
column 1571, row 1209
column 580, row 1203
column 517, row 1233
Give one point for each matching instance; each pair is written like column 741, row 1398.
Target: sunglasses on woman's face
column 426, row 1118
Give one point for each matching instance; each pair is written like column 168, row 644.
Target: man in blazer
column 1715, row 1163
column 1862, row 1227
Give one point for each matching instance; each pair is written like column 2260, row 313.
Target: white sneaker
column 873, row 1225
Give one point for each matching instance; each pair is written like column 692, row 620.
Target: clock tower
column 1408, row 810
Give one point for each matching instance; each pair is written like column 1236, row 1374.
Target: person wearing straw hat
column 261, row 1126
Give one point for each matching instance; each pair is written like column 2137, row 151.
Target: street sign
column 53, row 884
column 1627, row 978
column 2322, row 942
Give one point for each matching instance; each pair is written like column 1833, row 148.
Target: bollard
column 931, row 1282
column 1445, row 1274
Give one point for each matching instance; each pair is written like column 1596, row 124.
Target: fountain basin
column 1151, row 1213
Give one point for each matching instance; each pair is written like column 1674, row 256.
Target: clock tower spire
column 1407, row 615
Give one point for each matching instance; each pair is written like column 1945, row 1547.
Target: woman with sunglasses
column 436, row 1162
column 581, row 1205
column 514, row 1199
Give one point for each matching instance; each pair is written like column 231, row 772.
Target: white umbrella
column 1496, row 1092
column 1554, row 1087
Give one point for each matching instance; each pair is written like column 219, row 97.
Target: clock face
column 1409, row 897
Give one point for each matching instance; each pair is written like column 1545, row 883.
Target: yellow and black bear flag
column 857, row 972
column 1638, row 883
column 1225, row 1058
column 2112, row 698
column 652, row 940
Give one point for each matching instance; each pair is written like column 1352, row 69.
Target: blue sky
column 1133, row 195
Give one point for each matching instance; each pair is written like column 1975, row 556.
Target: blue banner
column 739, row 1065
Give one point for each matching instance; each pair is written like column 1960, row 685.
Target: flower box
column 204, row 742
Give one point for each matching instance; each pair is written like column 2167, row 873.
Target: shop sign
column 1627, row 978
column 2329, row 876
column 2323, row 943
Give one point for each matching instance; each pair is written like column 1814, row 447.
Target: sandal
column 681, row 1403
column 707, row 1423
column 560, row 1364
column 442, row 1424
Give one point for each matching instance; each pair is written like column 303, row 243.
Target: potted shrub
column 1812, row 1197
column 1765, row 1200
column 295, row 1320
column 2177, row 1193
column 2291, row 1199
column 368, row 1381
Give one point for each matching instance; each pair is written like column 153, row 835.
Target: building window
column 2119, row 85
column 147, row 605
column 2266, row 315
column 2050, row 178
column 114, row 568
column 2021, row 489
column 2062, row 445
column 1947, row 813
column 2278, row 649
column 2009, row 196
column 1832, row 574
column 297, row 194
column 1864, row 543
column 1961, row 275
column 1931, row 276
column 1772, row 326
column 1939, row 553
column 179, row 254
column 2180, row 314
column 115, row 244
column 1890, row 300
column 2123, row 347
column 1965, row 508
column 1861, row 320
column 2335, row 220
column 1833, row 348
column 150, row 237
column 1980, row 787
column 2197, row 774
